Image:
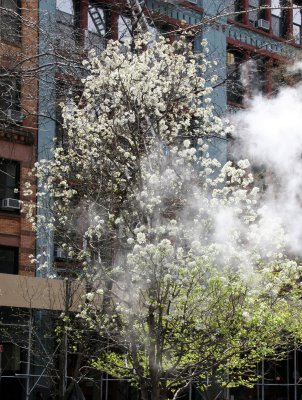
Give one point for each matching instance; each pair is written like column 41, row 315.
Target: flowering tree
column 193, row 283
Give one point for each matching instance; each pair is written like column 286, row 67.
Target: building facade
column 42, row 44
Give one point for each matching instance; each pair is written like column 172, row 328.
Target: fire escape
column 135, row 9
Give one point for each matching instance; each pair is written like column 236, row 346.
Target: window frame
column 15, row 265
column 14, row 21
column 233, row 76
column 10, row 96
column 243, row 71
column 296, row 24
column 8, row 188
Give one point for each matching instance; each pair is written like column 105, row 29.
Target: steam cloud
column 269, row 134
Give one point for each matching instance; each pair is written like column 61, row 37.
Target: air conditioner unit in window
column 10, row 204
column 263, row 24
column 60, row 253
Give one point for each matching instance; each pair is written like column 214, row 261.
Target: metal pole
column 29, row 355
column 262, row 386
column 0, row 363
column 295, row 372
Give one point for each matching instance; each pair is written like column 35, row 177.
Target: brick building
column 20, row 291
column 18, row 141
column 18, row 124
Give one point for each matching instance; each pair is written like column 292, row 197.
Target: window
column 65, row 6
column 10, row 22
column 277, row 18
column 8, row 260
column 125, row 29
column 97, row 29
column 229, row 7
column 10, row 98
column 97, row 20
column 234, row 6
column 65, row 94
column 246, row 76
column 254, row 13
column 256, row 76
column 68, row 19
column 9, row 180
column 10, row 358
column 234, row 81
column 297, row 24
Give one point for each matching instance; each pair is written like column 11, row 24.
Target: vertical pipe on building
column 245, row 16
column 101, row 387
column 287, row 380
column 112, row 23
column 262, row 380
column 295, row 373
column 288, row 19
column 83, row 20
column 247, row 56
column 268, row 77
column 106, row 386
column 268, row 15
column 29, row 350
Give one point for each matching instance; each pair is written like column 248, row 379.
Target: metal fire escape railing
column 138, row 14
column 139, row 19
column 142, row 22
column 97, row 19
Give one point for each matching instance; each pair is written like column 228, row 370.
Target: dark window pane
column 10, row 23
column 8, row 260
column 238, row 8
column 9, row 179
column 256, row 77
column 297, row 23
column 10, row 101
column 254, row 10
column 228, row 7
column 10, row 357
column 234, row 82
column 279, row 18
column 277, row 25
column 276, row 11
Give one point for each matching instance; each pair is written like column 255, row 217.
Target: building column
column 268, row 77
column 83, row 23
column 268, row 14
column 245, row 16
column 288, row 19
column 111, row 18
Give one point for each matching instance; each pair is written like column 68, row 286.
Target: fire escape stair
column 97, row 19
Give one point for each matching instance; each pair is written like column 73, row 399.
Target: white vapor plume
column 270, row 135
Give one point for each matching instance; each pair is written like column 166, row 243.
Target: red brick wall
column 15, row 230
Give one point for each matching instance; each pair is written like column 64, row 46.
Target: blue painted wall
column 46, row 120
